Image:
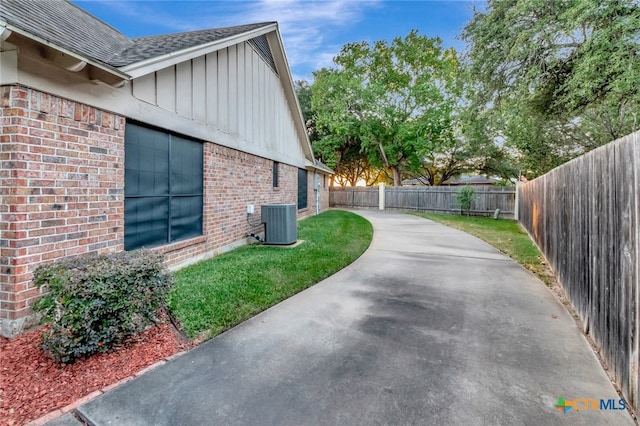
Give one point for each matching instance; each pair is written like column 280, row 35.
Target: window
column 302, row 189
column 163, row 187
column 324, row 181
column 275, row 174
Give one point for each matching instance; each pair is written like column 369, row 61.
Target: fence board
column 433, row 199
column 584, row 217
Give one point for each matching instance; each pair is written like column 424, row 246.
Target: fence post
column 381, row 196
column 516, row 209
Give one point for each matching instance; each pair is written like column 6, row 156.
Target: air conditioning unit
column 280, row 223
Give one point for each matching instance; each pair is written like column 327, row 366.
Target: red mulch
column 32, row 384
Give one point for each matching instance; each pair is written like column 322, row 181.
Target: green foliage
column 465, row 196
column 393, row 101
column 216, row 294
column 303, row 92
column 561, row 55
column 554, row 79
column 97, row 302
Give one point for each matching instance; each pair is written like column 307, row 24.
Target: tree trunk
column 396, row 176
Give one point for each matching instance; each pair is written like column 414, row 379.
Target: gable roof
column 149, row 47
column 64, row 24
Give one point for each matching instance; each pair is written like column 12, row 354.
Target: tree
column 555, row 78
column 395, row 99
column 449, row 161
column 465, row 196
column 303, row 92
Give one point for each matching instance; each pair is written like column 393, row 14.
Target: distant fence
column 438, row 199
column 584, row 217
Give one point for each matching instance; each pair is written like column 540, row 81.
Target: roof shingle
column 66, row 25
column 150, row 47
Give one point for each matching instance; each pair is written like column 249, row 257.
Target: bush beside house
column 109, row 143
column 97, row 302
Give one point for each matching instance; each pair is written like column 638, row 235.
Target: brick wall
column 324, row 193
column 233, row 180
column 61, row 192
column 311, row 195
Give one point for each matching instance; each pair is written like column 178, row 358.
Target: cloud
column 308, row 27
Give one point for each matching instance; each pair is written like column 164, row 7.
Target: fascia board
column 112, row 71
column 4, row 31
column 313, row 165
column 157, row 63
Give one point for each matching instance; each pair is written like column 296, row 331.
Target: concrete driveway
column 429, row 326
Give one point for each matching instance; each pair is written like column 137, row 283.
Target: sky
column 312, row 31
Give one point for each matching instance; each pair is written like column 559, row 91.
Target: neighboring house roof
column 470, row 180
column 415, row 182
column 462, row 180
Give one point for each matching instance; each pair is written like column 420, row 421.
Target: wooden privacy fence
column 584, row 217
column 354, row 196
column 440, row 199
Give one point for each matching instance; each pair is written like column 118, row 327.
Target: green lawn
column 505, row 235
column 219, row 293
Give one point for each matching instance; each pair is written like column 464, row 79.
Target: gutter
column 13, row 29
column 313, row 165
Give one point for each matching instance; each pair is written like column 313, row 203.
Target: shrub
column 97, row 302
column 465, row 196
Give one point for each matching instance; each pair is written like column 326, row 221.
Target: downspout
column 316, row 186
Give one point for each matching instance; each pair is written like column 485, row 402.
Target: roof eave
column 148, row 66
column 104, row 67
column 315, row 165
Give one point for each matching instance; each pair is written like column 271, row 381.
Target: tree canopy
column 554, row 79
column 541, row 82
column 391, row 102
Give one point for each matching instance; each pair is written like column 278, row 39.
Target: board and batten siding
column 232, row 90
column 231, row 97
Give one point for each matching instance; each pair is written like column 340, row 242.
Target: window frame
column 274, row 173
column 181, row 188
column 303, row 201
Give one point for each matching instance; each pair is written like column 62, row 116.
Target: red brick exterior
column 62, row 193
column 233, row 180
column 61, row 188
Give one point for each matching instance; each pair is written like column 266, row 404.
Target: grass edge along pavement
column 505, row 235
column 219, row 293
column 510, row 238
